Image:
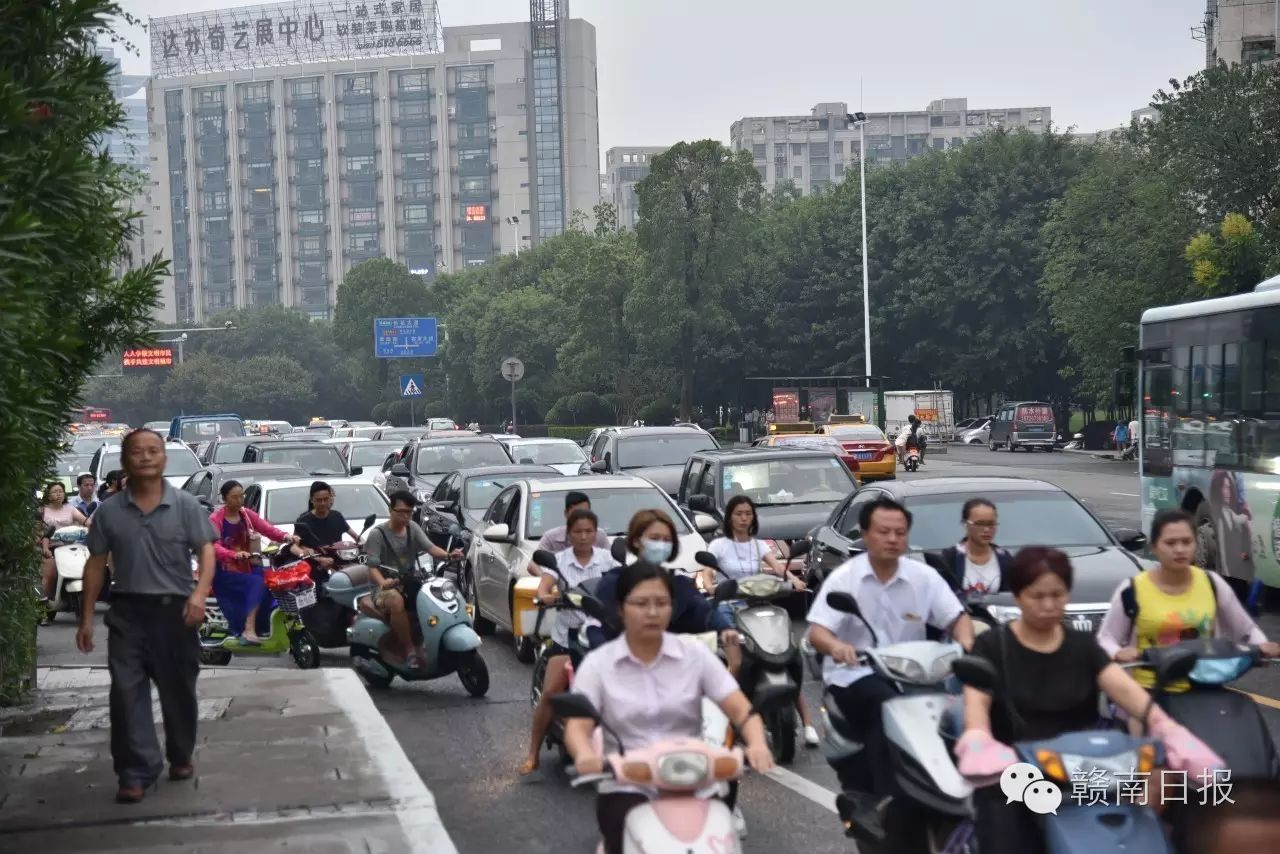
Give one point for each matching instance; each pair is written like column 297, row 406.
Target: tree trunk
column 688, row 364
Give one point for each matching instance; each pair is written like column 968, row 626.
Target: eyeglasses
column 982, row 524
column 651, row 605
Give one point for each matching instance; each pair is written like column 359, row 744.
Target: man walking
column 151, row 530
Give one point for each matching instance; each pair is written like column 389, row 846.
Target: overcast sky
column 687, row 69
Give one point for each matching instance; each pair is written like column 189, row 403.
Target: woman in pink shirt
column 238, row 585
column 648, row 686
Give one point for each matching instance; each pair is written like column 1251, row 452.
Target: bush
column 577, row 433
column 64, row 221
column 581, row 407
column 725, row 434
column 661, row 411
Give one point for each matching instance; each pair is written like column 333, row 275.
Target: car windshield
column 403, row 435
column 546, row 453
column 230, row 452
column 800, row 480
column 614, row 507
column 440, row 459
column 857, row 433
column 88, row 444
column 806, row 442
column 196, row 431
column 318, row 459
column 638, row 452
column 178, row 462
column 1026, row 519
column 71, row 465
column 371, row 453
column 352, row 500
column 479, row 492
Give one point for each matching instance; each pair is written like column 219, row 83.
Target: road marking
column 1127, row 494
column 820, row 795
column 1259, row 698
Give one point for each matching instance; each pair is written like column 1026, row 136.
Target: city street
column 467, row 751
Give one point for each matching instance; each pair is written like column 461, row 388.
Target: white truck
column 936, row 408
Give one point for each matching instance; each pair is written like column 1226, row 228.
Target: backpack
column 1129, row 598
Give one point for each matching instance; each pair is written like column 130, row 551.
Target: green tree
column 1234, row 260
column 377, row 288
column 64, row 219
column 697, row 204
column 1113, row 248
column 257, row 387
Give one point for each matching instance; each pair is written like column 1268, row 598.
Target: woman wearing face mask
column 1053, row 675
column 648, row 686
column 975, row 566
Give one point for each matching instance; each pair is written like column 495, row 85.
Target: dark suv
column 656, row 453
column 794, row 490
column 313, row 458
column 424, row 463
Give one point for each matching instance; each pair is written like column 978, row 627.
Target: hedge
column 576, row 432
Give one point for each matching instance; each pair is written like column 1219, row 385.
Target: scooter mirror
column 771, row 698
column 570, row 705
column 844, row 603
column 545, row 559
column 707, row 559
column 1173, row 664
column 455, row 530
column 619, row 550
column 727, row 590
column 368, row 522
column 596, row 610
column 800, row 548
column 976, row 672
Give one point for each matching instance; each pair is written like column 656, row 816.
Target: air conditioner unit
column 453, row 111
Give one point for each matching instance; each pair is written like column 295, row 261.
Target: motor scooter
column 684, row 778
column 441, row 624
column 1108, row 759
column 930, row 798
column 70, row 554
column 337, row 590
column 292, row 591
column 770, row 652
column 1228, row 721
column 911, row 459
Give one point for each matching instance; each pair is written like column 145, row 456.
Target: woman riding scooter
column 238, row 585
column 582, row 561
column 1050, row 676
column 648, row 686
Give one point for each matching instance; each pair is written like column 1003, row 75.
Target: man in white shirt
column 899, row 597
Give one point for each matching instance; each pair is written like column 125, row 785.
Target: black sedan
column 463, row 496
column 1031, row 512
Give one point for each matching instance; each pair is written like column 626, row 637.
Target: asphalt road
column 467, row 751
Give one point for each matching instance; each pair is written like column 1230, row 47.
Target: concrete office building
column 128, row 145
column 814, row 151
column 1145, row 114
column 295, row 140
column 1239, row 31
column 626, row 167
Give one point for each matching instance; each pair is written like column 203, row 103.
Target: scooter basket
column 288, row 577
column 296, row 600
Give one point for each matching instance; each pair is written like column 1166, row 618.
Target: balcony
column 357, row 96
column 311, row 228
column 413, row 121
column 311, row 127
column 296, row 153
column 363, row 227
column 307, row 100
column 355, row 124
column 360, row 148
column 364, row 176
column 258, row 181
column 414, row 95
column 263, row 257
column 317, row 256
column 211, row 109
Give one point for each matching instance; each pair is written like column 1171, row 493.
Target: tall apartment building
column 298, row 139
column 129, row 144
column 814, row 151
column 626, row 167
column 1239, row 31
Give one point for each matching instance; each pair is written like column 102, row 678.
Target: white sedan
column 527, row 509
column 563, row 455
column 281, row 502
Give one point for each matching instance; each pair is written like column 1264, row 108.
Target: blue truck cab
column 193, row 429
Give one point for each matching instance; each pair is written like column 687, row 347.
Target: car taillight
column 851, row 462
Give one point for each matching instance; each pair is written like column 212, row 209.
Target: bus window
column 1182, row 380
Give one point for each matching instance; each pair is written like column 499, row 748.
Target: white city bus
column 1209, row 380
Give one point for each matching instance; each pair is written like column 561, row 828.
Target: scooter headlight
column 906, row 669
column 685, row 769
column 1004, row 613
column 1101, row 771
column 759, row 587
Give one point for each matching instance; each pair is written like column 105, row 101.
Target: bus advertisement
column 1209, row 386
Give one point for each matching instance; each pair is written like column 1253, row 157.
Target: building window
column 215, row 201
column 935, row 121
column 477, row 213
column 357, row 83
column 418, row 188
column 839, row 143
column 417, row 214
column 210, row 125
column 839, row 170
column 310, row 167
column 417, row 163
column 797, row 173
column 413, row 81
column 255, row 93
column 360, row 165
column 939, row 143
column 760, row 150
column 215, row 175
column 1257, row 50
column 363, row 192
column 417, row 241
column 357, row 113
column 474, row 184
column 311, row 245
column 209, row 96
column 362, row 242
column 415, row 109
column 310, row 86
column 473, row 130
column 797, row 149
column 315, row 217
column 360, row 137
column 415, row 136
column 310, row 195
column 473, row 76
column 363, row 216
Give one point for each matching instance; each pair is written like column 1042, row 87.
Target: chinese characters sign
column 147, row 359
column 292, row 32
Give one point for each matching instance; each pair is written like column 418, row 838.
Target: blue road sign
column 411, row 385
column 404, row 337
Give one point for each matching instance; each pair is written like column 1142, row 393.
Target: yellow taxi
column 866, row 443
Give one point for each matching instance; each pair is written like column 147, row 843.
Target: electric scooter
column 684, row 778
column 929, row 797
column 770, row 653
column 1108, row 759
column 292, row 590
column 912, row 460
column 441, row 624
column 70, row 554
column 337, row 591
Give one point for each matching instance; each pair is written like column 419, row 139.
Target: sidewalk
column 286, row 759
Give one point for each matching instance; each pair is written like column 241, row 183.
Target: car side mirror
column 857, row 547
column 976, row 672
column 701, row 504
column 1131, row 539
column 570, row 705
column 799, row 548
column 400, row 470
column 205, row 503
column 445, row 506
column 498, row 534
column 705, row 524
column 600, row 466
column 357, row 471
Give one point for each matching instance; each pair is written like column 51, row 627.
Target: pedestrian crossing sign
column 411, row 385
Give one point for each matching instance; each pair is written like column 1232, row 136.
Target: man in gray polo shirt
column 151, row 530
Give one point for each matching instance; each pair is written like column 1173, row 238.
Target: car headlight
column 1004, row 613
column 422, row 494
column 685, row 769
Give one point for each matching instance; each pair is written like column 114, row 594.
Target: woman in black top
column 1051, row 675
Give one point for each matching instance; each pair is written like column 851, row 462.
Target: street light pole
column 860, row 119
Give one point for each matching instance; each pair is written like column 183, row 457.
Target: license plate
column 306, row 598
column 865, row 456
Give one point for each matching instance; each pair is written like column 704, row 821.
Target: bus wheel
column 1206, row 555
